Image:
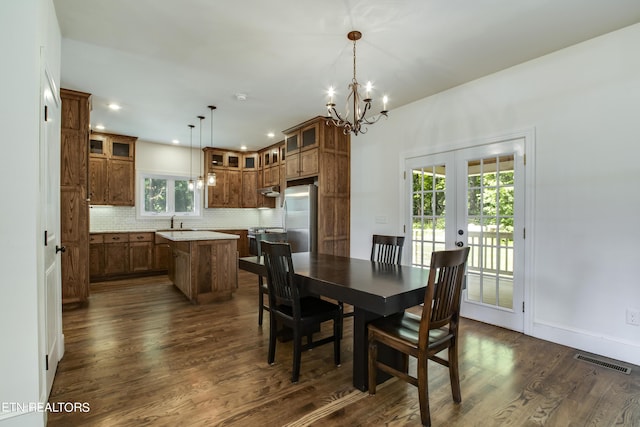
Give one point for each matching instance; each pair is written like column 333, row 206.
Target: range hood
column 273, row 191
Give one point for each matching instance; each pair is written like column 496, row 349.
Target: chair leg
column 423, row 391
column 260, row 301
column 373, row 358
column 337, row 329
column 454, row 373
column 272, row 338
column 297, row 354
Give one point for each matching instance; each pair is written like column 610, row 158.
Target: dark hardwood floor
column 141, row 355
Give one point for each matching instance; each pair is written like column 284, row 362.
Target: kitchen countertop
column 189, row 235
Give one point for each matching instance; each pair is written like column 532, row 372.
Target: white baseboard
column 611, row 347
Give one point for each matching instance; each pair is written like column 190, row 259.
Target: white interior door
column 474, row 197
column 51, row 293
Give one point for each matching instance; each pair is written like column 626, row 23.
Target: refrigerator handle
column 284, row 214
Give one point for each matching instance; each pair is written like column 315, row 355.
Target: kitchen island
column 203, row 264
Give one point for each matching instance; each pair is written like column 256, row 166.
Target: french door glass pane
column 429, row 207
column 490, row 202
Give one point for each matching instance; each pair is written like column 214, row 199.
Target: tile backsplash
column 123, row 218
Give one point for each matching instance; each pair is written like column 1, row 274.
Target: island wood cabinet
column 74, row 205
column 204, row 270
column 112, row 169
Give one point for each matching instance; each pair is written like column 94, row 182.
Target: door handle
column 60, row 249
column 459, row 244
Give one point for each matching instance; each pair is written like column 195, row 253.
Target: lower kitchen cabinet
column 96, row 255
column 141, row 252
column 117, row 255
column 161, row 254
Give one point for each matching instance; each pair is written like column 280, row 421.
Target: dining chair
column 301, row 314
column 387, row 249
column 426, row 335
column 384, row 249
column 262, row 287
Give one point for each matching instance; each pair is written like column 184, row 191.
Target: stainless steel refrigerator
column 301, row 217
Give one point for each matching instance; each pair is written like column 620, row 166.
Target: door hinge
column 404, row 229
column 45, row 237
column 46, row 362
column 524, row 159
column 524, row 233
column 523, row 306
column 404, row 175
column 46, row 113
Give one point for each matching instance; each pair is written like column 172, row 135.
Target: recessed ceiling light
column 100, row 127
column 243, row 147
column 271, row 134
column 175, row 141
column 114, row 106
column 241, row 96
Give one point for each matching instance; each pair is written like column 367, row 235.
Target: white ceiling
column 165, row 61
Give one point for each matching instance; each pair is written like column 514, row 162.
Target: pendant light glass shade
column 211, row 176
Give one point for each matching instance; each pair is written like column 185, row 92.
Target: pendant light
column 191, row 184
column 200, row 181
column 211, row 176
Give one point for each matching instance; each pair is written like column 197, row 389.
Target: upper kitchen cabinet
column 270, row 157
column 301, row 149
column 249, row 180
column 236, row 174
column 316, row 149
column 112, row 169
column 74, row 207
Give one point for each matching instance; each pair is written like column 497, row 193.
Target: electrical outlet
column 633, row 316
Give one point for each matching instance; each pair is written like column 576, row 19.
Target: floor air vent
column 603, row 363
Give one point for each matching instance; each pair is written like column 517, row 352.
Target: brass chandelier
column 360, row 105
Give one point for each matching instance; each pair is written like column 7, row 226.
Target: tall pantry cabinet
column 74, row 203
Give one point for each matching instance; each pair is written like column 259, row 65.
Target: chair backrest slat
column 387, row 249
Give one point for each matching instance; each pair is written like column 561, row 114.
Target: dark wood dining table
column 373, row 289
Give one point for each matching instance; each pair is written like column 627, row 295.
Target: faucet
column 172, row 218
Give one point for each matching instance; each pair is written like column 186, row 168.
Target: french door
column 474, row 197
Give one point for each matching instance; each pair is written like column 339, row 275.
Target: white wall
column 583, row 103
column 25, row 26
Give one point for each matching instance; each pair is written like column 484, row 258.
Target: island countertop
column 190, row 235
